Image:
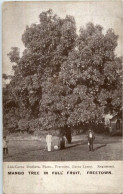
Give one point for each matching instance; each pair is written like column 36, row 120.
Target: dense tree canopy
column 63, row 79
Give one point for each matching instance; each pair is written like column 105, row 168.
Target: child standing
column 5, row 145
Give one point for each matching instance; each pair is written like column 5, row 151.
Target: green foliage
column 63, row 79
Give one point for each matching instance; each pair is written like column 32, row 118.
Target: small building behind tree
column 116, row 124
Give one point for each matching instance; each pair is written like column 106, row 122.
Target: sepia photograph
column 62, row 81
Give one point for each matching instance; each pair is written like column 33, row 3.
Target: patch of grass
column 105, row 148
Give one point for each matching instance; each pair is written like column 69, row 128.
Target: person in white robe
column 49, row 142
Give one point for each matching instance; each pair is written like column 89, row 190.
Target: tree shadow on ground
column 71, row 146
column 76, row 143
column 79, row 142
column 100, row 146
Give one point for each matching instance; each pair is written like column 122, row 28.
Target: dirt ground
column 105, row 148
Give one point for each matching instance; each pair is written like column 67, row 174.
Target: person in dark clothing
column 118, row 124
column 62, row 142
column 68, row 135
column 91, row 138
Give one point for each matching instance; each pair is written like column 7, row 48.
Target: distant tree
column 5, row 76
column 10, row 111
column 14, row 55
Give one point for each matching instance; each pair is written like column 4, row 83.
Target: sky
column 17, row 15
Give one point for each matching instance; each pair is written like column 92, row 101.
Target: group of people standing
column 62, row 141
column 60, row 145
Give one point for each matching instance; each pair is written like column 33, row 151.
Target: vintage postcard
column 62, row 97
